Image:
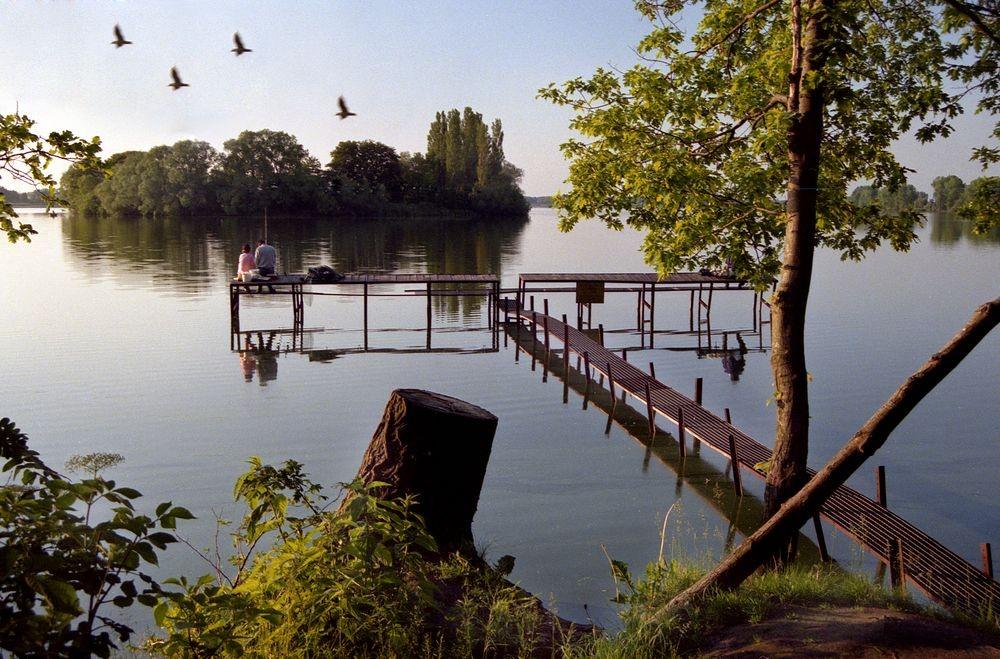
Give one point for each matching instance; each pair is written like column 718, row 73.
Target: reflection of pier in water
column 359, row 285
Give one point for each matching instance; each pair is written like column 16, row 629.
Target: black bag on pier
column 323, row 274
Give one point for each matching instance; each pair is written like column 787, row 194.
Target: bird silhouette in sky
column 119, row 38
column 177, row 83
column 344, row 112
column 240, row 48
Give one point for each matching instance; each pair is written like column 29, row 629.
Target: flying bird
column 119, row 38
column 240, row 48
column 177, row 83
column 344, row 112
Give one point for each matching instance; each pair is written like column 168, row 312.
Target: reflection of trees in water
column 198, row 254
column 949, row 228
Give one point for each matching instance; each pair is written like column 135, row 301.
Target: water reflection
column 193, row 255
column 949, row 229
column 259, row 354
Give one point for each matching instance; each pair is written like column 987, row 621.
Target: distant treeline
column 31, row 198
column 464, row 170
column 950, row 194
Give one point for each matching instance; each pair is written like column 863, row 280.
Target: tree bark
column 435, row 448
column 766, row 541
column 788, row 359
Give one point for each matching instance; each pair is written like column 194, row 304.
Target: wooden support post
column 586, row 375
column 545, row 306
column 565, row 347
column 729, row 418
column 641, row 297
column 652, row 314
column 987, row 553
column 824, row 555
column 545, row 335
column 650, row 414
column 652, row 370
column 624, row 355
column 534, row 337
column 880, row 485
column 737, row 477
column 600, row 332
column 506, row 319
column 517, row 335
column 614, row 400
column 697, row 390
column 691, row 312
column 429, row 315
column 365, row 305
column 532, row 302
column 897, row 571
column 680, row 431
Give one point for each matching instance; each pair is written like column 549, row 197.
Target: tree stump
column 435, row 448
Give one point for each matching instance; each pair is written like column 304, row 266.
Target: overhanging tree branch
column 759, row 548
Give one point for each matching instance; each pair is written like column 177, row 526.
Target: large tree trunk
column 788, row 357
column 760, row 547
column 435, row 448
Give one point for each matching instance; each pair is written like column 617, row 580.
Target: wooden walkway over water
column 911, row 554
column 485, row 285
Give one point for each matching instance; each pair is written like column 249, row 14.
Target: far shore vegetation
column 463, row 171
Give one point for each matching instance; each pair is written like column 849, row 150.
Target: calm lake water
column 116, row 338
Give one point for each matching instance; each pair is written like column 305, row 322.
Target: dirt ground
column 851, row 632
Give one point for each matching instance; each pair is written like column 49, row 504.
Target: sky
column 396, row 63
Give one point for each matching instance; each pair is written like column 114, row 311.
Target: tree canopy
column 270, row 170
column 737, row 142
column 24, row 158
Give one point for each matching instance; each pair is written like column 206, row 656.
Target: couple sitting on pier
column 263, row 260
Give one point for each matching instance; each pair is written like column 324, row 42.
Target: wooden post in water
column 652, row 314
column 565, row 347
column 614, row 400
column 737, row 477
column 517, row 336
column 820, row 539
column 586, row 375
column 428, row 315
column 729, row 418
column 532, row 302
column 652, row 370
column 600, row 332
column 624, row 355
column 680, row 431
column 545, row 306
column 697, row 390
column 545, row 334
column 987, row 553
column 650, row 414
column 364, row 304
column 880, row 485
column 897, row 571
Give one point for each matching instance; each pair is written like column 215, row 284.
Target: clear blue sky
column 397, row 63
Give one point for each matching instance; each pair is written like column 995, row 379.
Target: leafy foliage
column 59, row 568
column 270, row 170
column 25, row 156
column 362, row 581
column 690, row 146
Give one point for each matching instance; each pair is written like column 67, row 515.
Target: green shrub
column 59, row 568
column 365, row 580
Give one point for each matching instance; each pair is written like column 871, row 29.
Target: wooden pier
column 911, row 554
column 294, row 286
column 590, row 288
